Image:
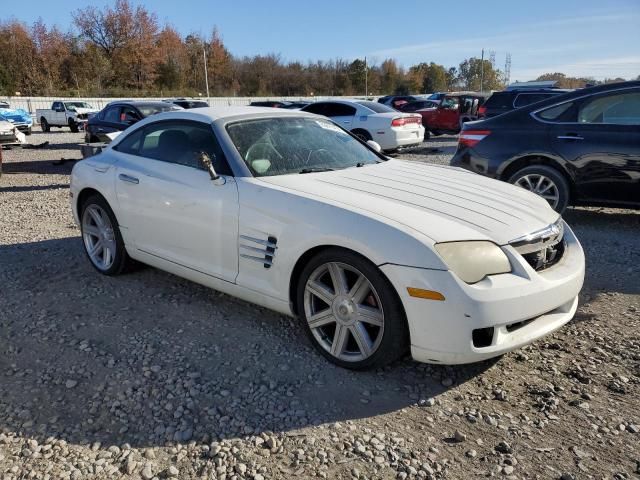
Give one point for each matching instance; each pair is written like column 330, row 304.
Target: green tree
column 475, row 74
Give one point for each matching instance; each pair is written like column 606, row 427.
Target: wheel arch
column 306, row 257
column 535, row 159
column 364, row 131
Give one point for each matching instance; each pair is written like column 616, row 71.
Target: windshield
column 73, row 105
column 376, row 107
column 279, row 146
column 147, row 110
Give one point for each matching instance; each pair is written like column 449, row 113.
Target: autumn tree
column 475, row 74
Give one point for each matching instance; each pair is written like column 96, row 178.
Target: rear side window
column 376, row 107
column 112, row 115
column 499, row 100
column 317, row 108
column 556, row 113
column 529, row 98
column 620, row 109
column 339, row 110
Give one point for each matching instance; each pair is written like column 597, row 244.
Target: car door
column 58, row 116
column 169, row 204
column 601, row 139
column 447, row 117
column 341, row 113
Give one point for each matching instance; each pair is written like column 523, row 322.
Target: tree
column 357, row 72
column 475, row 74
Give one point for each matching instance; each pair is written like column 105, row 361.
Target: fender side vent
column 259, row 250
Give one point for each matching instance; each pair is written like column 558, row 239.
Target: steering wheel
column 261, row 150
column 319, row 151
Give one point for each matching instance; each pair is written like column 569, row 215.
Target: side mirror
column 375, row 145
column 207, row 164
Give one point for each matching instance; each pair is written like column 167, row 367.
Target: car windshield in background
column 279, row 146
column 376, row 107
column 147, row 110
column 73, row 105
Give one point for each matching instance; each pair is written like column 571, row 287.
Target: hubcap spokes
column 542, row 186
column 99, row 237
column 344, row 311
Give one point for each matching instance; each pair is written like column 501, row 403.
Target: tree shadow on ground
column 46, row 167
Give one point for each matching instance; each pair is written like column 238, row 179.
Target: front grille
column 544, row 248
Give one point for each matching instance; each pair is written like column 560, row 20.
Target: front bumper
column 516, row 308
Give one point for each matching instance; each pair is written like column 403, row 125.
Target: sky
column 593, row 38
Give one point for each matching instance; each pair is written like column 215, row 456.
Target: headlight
column 472, row 261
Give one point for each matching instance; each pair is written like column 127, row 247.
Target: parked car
column 269, row 103
column 507, row 100
column 4, row 104
column 579, row 148
column 296, row 105
column 375, row 256
column 395, row 101
column 20, row 118
column 437, row 96
column 452, row 112
column 418, row 105
column 118, row 116
column 72, row 114
column 367, row 120
column 187, row 103
column 9, row 134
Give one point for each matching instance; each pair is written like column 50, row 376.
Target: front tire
column 101, row 237
column 546, row 182
column 362, row 135
column 352, row 313
column 73, row 126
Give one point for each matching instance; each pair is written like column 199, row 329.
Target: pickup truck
column 454, row 110
column 68, row 113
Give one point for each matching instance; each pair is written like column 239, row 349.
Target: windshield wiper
column 314, row 170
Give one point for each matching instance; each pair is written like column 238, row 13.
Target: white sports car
column 375, row 256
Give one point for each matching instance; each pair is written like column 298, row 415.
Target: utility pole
column 206, row 73
column 366, row 78
column 482, row 72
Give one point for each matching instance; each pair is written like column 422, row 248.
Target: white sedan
column 389, row 128
column 375, row 256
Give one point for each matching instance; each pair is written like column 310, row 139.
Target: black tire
column 121, row 261
column 44, row 125
column 73, row 126
column 28, row 131
column 362, row 135
column 395, row 334
column 436, row 133
column 551, row 173
column 427, row 134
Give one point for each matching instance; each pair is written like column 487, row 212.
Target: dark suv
column 580, row 148
column 502, row 102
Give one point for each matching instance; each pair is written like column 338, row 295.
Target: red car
column 454, row 110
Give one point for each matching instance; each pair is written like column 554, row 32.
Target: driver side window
column 176, row 141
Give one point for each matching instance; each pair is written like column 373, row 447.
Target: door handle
column 128, row 179
column 569, row 137
column 346, row 122
column 101, row 130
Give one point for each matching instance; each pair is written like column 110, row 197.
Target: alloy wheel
column 542, row 186
column 344, row 312
column 98, row 236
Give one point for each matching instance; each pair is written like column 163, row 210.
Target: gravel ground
column 151, row 376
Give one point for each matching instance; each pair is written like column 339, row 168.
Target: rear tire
column 358, row 324
column 427, row 135
column 362, row 135
column 545, row 181
column 44, row 125
column 436, row 133
column 73, row 126
column 28, row 131
column 101, row 237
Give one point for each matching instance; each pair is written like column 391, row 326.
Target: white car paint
column 378, row 126
column 392, row 213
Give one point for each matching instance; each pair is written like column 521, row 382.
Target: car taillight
column 482, row 111
column 469, row 138
column 401, row 121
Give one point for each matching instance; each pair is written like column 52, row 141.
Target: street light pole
column 482, row 72
column 206, row 73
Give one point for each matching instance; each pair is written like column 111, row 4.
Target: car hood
column 443, row 203
column 86, row 110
